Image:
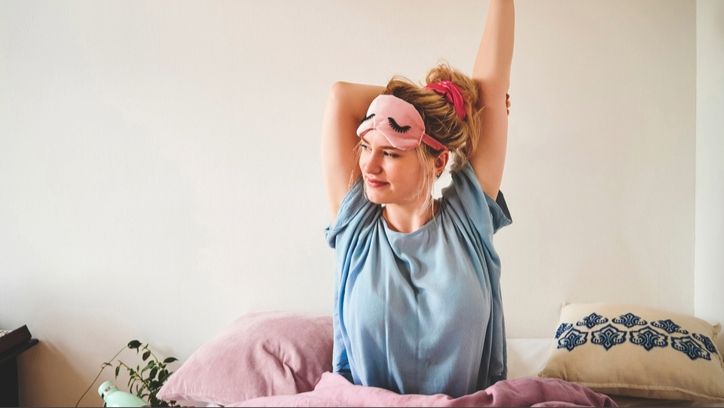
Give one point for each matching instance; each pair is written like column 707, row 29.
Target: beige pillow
column 637, row 351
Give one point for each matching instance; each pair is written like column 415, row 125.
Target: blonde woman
column 418, row 306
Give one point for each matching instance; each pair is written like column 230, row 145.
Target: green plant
column 143, row 382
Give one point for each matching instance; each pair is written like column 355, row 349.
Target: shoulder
column 355, row 212
column 469, row 201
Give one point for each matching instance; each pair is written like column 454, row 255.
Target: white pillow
column 526, row 356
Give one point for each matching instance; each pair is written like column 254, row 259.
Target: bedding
column 277, row 354
column 333, row 390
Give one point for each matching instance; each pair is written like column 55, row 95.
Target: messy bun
column 441, row 120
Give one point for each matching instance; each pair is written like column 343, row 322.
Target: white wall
column 600, row 170
column 709, row 271
column 159, row 164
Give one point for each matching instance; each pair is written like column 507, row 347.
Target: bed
column 599, row 355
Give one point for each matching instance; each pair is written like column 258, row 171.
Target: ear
column 441, row 161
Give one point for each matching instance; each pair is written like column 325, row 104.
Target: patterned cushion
column 637, row 351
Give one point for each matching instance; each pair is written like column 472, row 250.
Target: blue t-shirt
column 420, row 312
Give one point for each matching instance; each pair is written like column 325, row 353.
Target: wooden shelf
column 9, row 374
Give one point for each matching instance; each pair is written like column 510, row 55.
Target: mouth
column 376, row 183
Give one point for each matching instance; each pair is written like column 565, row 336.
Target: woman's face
column 391, row 176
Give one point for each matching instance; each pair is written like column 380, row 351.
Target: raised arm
column 492, row 73
column 346, row 107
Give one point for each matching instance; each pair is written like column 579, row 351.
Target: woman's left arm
column 492, row 74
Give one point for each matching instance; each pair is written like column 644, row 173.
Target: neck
column 408, row 219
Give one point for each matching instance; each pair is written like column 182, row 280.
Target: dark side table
column 9, row 374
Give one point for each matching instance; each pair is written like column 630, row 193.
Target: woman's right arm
column 492, row 73
column 346, row 107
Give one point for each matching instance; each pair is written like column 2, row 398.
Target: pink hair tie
column 452, row 94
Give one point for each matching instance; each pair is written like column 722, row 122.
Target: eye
column 363, row 146
column 367, row 118
column 392, row 155
column 397, row 128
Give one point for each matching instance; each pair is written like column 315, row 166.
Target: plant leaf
column 145, row 355
column 117, row 370
column 134, row 344
column 153, row 373
column 170, row 360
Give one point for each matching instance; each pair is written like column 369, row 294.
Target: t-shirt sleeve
column 354, row 212
column 340, row 362
column 467, row 197
column 350, row 209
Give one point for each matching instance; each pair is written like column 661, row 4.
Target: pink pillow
column 260, row 354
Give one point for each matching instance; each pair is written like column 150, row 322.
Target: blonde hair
column 460, row 136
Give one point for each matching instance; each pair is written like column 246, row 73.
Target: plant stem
column 103, row 367
column 136, row 375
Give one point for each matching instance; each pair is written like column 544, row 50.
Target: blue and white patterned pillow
column 637, row 351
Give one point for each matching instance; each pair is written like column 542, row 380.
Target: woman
column 417, row 303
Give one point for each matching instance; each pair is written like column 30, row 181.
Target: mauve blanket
column 333, row 390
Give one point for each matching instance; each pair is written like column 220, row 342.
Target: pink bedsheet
column 334, row 390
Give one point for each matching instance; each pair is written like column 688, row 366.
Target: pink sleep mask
column 399, row 122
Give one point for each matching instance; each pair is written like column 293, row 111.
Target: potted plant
column 144, row 382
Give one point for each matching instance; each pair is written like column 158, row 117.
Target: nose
column 371, row 163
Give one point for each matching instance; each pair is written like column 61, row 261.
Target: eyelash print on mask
column 367, row 118
column 397, row 128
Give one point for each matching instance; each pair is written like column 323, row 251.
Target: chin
column 375, row 197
